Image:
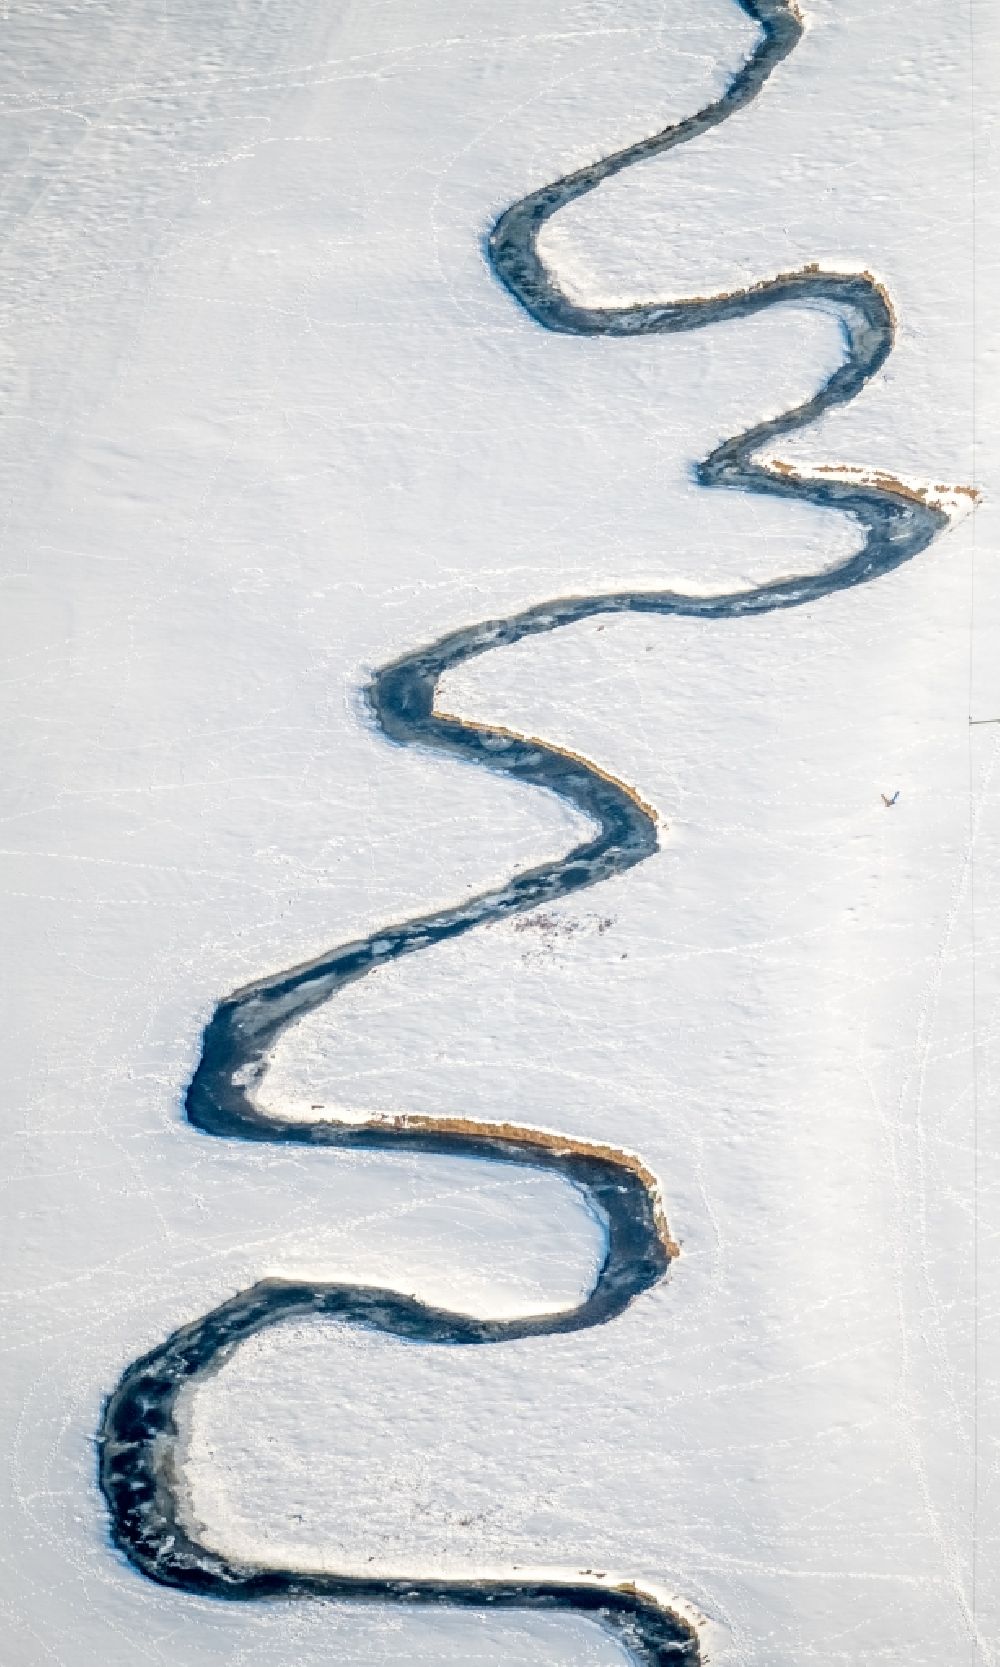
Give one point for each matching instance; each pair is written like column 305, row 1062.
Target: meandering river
column 138, row 1432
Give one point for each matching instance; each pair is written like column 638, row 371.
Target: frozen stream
column 139, row 1432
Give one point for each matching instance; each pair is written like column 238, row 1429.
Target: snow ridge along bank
column 138, row 1436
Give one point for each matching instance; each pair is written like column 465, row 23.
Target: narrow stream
column 138, row 1431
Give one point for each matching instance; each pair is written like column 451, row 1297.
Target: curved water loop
column 138, row 1432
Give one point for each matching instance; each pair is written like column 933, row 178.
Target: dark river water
column 138, row 1432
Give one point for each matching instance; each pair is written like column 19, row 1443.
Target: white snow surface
column 268, row 423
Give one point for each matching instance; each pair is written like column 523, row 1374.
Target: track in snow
column 138, row 1430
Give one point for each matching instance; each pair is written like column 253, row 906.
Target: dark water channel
column 138, row 1431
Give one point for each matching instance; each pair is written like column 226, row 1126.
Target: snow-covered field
column 268, row 423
